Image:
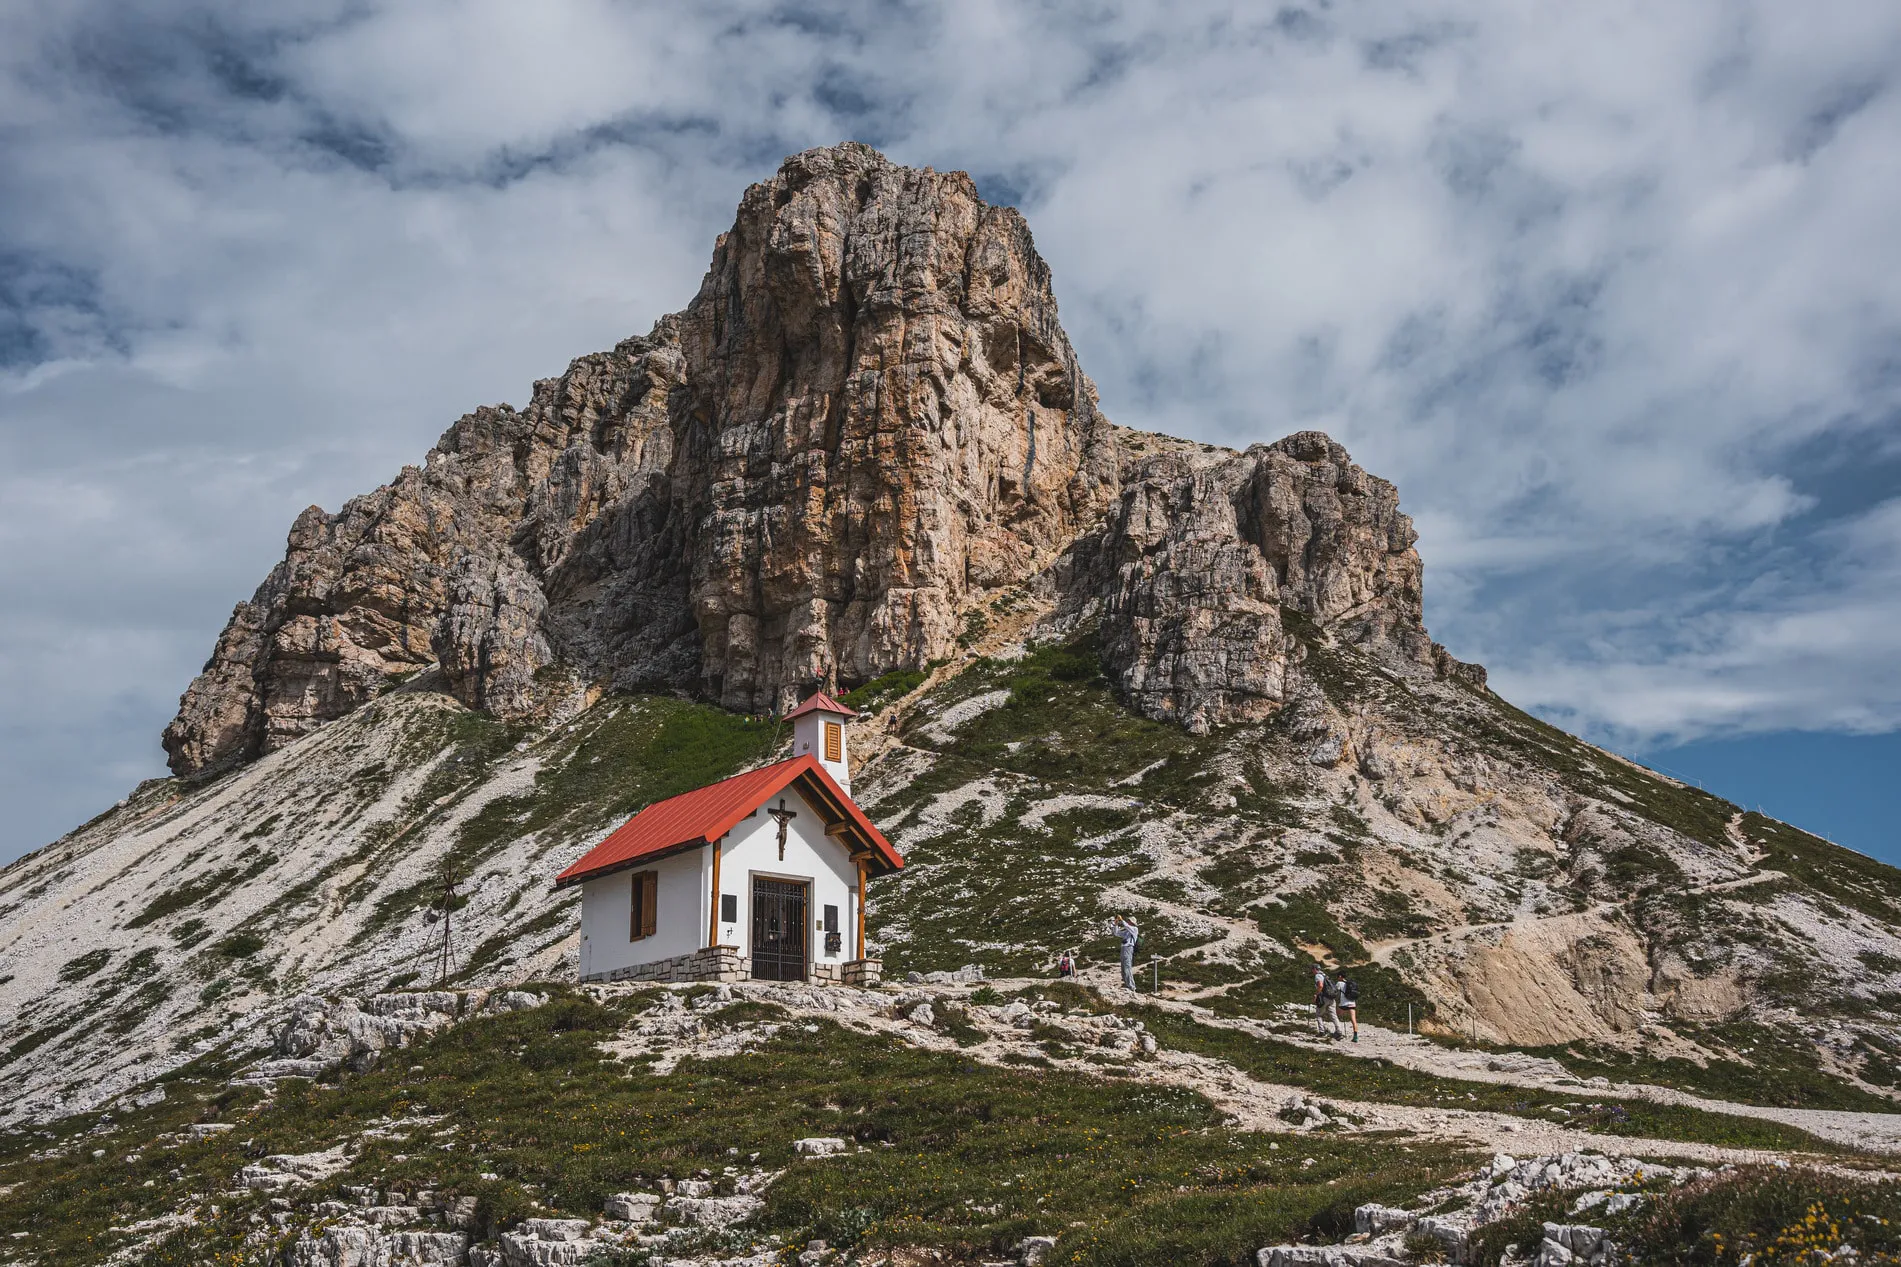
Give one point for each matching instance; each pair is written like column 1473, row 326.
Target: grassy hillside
column 1474, row 869
column 526, row 1114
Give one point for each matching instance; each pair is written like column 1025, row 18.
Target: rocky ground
column 339, row 1206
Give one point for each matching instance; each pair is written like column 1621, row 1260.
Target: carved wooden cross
column 784, row 816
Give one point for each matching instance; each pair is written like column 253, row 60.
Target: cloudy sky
column 1612, row 291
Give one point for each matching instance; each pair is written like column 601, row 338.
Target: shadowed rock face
column 867, row 421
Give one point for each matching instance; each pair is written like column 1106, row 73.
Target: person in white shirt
column 1123, row 926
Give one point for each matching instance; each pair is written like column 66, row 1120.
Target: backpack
column 1328, row 991
column 1349, row 993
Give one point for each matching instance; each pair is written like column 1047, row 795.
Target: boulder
column 547, row 1243
column 631, row 1207
column 1376, row 1220
column 515, row 1001
column 1453, row 1236
column 819, row 1146
column 555, row 1229
column 428, row 1247
column 1324, row 1256
column 715, row 1211
column 1034, row 1251
column 1578, row 1241
column 342, row 1246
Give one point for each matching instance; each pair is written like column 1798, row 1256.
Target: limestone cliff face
column 882, row 418
column 438, row 567
column 867, row 422
column 867, row 418
column 1189, row 573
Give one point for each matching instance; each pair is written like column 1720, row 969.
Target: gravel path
column 1872, row 1132
column 1258, row 1105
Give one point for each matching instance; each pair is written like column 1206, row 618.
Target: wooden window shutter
column 649, row 903
column 834, row 741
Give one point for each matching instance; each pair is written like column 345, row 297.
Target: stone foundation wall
column 709, row 963
column 725, row 963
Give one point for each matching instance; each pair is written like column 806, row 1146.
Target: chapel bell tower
column 818, row 728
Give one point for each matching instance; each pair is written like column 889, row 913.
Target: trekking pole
column 1409, row 1020
column 1155, row 976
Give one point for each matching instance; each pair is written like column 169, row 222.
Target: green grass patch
column 204, row 889
column 630, row 753
column 1298, row 920
column 960, row 1160
column 622, row 755
column 1501, row 728
column 1063, row 724
column 1779, row 1069
column 1855, row 880
column 80, row 967
column 241, row 945
column 1758, row 1214
column 881, row 690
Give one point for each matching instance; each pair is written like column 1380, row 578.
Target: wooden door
column 778, row 929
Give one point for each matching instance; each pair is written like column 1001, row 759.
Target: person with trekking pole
column 1349, row 1002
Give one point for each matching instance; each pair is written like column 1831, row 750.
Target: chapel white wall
column 680, row 914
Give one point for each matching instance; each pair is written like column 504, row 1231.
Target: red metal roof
column 704, row 815
column 820, row 703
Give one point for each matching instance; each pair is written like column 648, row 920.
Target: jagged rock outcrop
column 443, row 565
column 884, row 417
column 867, row 421
column 1189, row 573
column 868, row 418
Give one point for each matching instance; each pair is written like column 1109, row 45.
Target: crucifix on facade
column 784, row 816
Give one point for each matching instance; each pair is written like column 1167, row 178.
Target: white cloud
column 1611, row 291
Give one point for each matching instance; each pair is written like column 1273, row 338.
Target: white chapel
column 760, row 876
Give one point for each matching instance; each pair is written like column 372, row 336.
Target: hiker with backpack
column 1326, row 1000
column 1349, row 1002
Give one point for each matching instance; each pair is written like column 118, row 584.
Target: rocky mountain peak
column 866, row 424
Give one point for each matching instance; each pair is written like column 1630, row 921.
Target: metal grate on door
column 778, row 930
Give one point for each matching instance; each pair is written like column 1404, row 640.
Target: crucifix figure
column 784, row 816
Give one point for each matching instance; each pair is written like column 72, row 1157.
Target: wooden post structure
column 712, row 921
column 445, row 960
column 861, row 908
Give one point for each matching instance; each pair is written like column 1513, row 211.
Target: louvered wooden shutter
column 834, row 740
column 649, row 903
